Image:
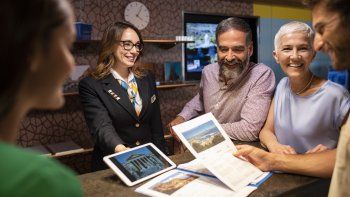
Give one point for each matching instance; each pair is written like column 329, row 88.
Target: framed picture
column 173, row 71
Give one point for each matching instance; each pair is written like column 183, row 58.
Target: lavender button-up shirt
column 241, row 110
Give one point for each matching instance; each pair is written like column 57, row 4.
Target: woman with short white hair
column 307, row 111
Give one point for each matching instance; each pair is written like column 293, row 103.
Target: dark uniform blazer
column 112, row 118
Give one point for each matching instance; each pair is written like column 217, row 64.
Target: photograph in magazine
column 203, row 136
column 206, row 140
column 173, row 183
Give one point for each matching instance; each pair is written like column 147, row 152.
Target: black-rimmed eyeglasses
column 128, row 45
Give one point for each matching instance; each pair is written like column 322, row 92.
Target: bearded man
column 238, row 92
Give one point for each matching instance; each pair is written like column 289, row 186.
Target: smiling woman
column 119, row 98
column 307, row 111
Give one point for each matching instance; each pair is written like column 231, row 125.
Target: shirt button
column 137, row 125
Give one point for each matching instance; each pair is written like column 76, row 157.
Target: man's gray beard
column 231, row 76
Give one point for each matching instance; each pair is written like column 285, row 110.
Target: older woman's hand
column 317, row 149
column 281, row 149
column 258, row 157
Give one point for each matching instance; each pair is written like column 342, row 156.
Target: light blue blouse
column 303, row 122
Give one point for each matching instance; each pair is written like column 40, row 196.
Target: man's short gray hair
column 234, row 23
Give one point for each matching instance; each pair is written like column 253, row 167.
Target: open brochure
column 214, row 171
column 209, row 143
column 193, row 179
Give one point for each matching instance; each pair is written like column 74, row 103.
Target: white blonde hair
column 291, row 27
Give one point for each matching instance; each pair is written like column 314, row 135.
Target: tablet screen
column 139, row 163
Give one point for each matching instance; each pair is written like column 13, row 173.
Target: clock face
column 137, row 14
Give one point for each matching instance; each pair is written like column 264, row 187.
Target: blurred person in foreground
column 36, row 38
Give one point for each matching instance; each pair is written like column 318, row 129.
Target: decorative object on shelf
column 137, row 14
column 184, row 38
column 83, row 30
column 173, row 71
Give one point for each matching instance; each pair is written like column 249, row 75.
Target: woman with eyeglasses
column 119, row 98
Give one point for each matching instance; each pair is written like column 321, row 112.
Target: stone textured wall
column 48, row 127
column 165, row 22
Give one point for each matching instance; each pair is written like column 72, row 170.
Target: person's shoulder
column 335, row 89
column 211, row 69
column 88, row 80
column 35, row 174
column 58, row 179
column 260, row 68
column 261, row 72
column 147, row 75
column 283, row 81
column 282, row 85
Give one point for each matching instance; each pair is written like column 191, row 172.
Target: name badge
column 153, row 98
column 114, row 95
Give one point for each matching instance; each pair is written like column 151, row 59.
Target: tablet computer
column 139, row 163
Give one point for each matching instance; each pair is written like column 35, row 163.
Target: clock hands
column 138, row 13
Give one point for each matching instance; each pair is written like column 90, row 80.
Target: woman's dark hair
column 106, row 59
column 26, row 26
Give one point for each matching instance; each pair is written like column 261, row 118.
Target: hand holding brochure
column 209, row 143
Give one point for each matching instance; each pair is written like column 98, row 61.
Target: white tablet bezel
column 124, row 178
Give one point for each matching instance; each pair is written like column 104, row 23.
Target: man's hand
column 317, row 149
column 120, row 148
column 256, row 156
column 176, row 121
column 281, row 149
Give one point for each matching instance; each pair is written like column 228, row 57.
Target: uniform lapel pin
column 114, row 95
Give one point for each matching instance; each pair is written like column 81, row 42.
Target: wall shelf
column 175, row 85
column 163, row 43
column 159, row 87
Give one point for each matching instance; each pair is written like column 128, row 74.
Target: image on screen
column 203, row 51
column 140, row 163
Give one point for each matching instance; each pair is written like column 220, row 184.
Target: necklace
column 307, row 85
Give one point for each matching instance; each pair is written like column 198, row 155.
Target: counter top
column 105, row 183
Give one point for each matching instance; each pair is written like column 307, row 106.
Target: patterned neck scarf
column 133, row 93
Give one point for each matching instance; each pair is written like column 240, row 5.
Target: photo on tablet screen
column 203, row 136
column 140, row 163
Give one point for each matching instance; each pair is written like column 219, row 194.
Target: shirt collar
column 118, row 77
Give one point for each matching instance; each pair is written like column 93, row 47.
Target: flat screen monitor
column 203, row 50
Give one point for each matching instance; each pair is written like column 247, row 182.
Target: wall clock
column 137, row 14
